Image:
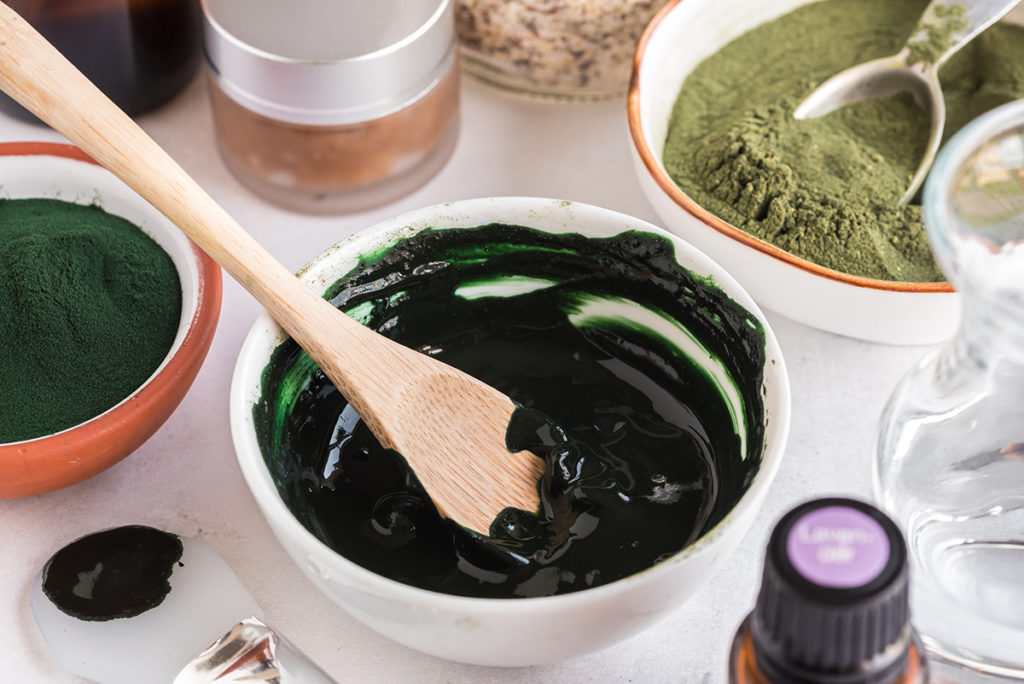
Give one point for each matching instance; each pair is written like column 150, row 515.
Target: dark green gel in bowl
column 652, row 373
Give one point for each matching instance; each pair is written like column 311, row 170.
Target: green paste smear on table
column 827, row 189
column 89, row 307
column 653, row 449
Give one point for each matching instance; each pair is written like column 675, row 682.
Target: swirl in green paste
column 651, row 373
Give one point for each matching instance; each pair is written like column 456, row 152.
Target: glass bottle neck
column 990, row 330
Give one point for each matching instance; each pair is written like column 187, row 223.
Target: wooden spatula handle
column 450, row 426
column 35, row 74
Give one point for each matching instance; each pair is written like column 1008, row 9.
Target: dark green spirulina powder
column 89, row 307
column 827, row 189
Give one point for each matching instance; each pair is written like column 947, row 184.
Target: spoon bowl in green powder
column 106, row 314
column 804, row 213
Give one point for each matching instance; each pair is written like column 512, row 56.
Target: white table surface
column 186, row 480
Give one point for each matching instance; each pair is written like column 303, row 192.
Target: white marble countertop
column 186, row 480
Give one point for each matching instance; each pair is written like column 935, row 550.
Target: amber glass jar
column 330, row 106
column 138, row 52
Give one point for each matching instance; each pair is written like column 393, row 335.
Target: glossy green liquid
column 651, row 450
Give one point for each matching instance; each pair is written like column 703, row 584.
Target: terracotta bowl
column 681, row 36
column 36, row 466
column 495, row 631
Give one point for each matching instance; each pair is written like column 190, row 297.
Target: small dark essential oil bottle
column 833, row 606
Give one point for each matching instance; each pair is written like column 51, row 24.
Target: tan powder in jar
column 297, row 163
column 351, row 107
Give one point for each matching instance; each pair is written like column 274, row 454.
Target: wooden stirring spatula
column 449, row 426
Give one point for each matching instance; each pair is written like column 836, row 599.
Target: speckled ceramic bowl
column 682, row 35
column 505, row 631
column 47, row 170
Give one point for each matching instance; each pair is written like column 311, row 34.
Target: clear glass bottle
column 138, row 52
column 949, row 465
column 833, row 606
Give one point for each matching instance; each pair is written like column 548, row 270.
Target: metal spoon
column 914, row 69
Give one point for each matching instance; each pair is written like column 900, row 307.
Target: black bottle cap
column 833, row 606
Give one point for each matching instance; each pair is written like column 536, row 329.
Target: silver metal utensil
column 205, row 604
column 945, row 27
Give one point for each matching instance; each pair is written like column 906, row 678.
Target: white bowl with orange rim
column 43, row 170
column 679, row 38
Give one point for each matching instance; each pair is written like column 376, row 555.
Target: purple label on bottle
column 838, row 547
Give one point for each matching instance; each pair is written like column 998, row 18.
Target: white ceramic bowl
column 35, row 466
column 476, row 630
column 681, row 36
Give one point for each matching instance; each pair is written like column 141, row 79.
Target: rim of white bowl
column 652, row 162
column 493, row 210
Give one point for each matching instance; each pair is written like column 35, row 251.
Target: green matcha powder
column 827, row 189
column 89, row 307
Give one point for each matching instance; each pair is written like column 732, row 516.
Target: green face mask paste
column 114, row 574
column 89, row 308
column 827, row 189
column 598, row 336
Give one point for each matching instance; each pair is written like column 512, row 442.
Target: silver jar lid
column 328, row 62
